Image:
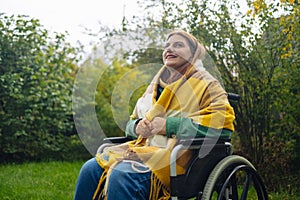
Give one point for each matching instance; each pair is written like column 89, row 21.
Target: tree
column 36, row 81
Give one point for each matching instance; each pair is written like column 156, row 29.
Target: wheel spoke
column 234, row 188
column 246, row 186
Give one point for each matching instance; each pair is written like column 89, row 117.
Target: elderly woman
column 183, row 101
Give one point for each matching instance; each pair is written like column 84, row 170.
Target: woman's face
column 177, row 52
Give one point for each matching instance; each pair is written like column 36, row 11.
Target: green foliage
column 278, row 153
column 104, row 98
column 36, row 80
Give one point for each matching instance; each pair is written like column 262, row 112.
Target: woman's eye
column 177, row 44
column 174, row 45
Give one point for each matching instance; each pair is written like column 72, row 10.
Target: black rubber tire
column 232, row 164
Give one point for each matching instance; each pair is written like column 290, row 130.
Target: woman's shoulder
column 203, row 74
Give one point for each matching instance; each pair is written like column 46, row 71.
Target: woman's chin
column 171, row 65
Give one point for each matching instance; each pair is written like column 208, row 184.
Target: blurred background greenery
column 257, row 54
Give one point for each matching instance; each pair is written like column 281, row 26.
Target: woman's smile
column 170, row 56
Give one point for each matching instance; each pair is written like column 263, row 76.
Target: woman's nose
column 169, row 49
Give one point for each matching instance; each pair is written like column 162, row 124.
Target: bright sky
column 72, row 15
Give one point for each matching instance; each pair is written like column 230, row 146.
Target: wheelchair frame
column 219, row 181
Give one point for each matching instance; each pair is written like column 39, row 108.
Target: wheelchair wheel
column 234, row 178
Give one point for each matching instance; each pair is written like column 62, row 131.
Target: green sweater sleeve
column 130, row 128
column 185, row 128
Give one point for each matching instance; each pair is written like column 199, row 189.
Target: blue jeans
column 124, row 182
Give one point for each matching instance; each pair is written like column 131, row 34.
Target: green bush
column 36, row 79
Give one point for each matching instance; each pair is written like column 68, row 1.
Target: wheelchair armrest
column 111, row 141
column 200, row 141
column 234, row 97
column 116, row 140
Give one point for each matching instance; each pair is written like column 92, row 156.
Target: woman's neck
column 171, row 74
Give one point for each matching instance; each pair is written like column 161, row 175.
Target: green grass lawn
column 49, row 180
column 52, row 181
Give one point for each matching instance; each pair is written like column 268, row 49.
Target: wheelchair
column 214, row 173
